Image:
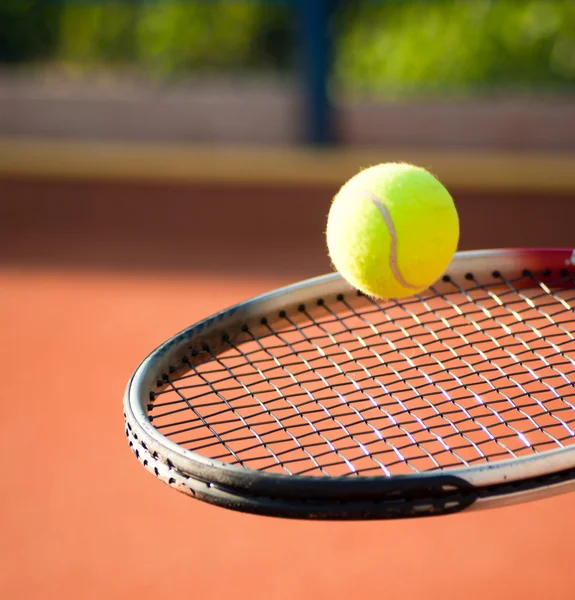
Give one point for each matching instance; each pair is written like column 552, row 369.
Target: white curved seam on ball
column 393, row 251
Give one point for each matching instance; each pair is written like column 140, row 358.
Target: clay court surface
column 93, row 276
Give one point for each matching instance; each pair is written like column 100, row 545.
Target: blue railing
column 316, row 58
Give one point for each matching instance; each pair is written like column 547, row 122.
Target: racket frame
column 428, row 493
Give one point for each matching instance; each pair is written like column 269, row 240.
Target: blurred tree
column 28, row 30
column 393, row 48
column 97, row 33
column 175, row 36
column 421, row 47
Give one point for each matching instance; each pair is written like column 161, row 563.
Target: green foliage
column 27, row 30
column 407, row 48
column 169, row 37
column 383, row 47
column 174, row 36
column 96, row 33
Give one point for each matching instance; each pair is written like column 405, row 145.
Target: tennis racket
column 317, row 402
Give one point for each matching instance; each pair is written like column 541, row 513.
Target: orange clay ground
column 81, row 519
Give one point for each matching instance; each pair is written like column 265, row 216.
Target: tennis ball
column 392, row 230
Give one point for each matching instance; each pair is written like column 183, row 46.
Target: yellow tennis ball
column 392, row 230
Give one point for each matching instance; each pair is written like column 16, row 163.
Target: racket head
column 372, row 455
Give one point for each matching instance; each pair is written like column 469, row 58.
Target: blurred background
column 161, row 160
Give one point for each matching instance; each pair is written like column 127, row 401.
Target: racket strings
column 362, row 387
column 375, row 334
column 508, row 376
column 548, row 337
column 420, row 421
column 464, row 305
